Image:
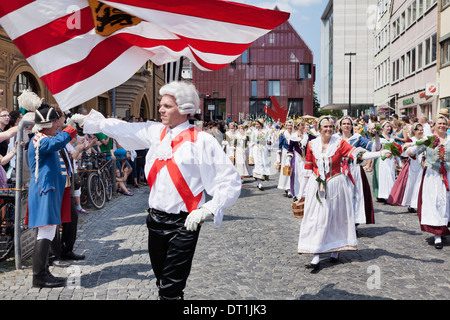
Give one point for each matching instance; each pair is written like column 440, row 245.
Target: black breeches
column 171, row 248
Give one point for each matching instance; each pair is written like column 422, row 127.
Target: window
column 24, row 81
column 434, row 47
column 403, row 21
column 413, row 60
column 419, row 8
column 409, row 16
column 427, row 51
column 408, row 64
column 430, row 49
column 254, row 89
column 245, row 56
column 274, row 88
column 419, row 56
column 445, row 3
column 305, row 71
column 445, row 52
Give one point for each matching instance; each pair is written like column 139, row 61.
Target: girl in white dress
column 383, row 177
column 259, row 145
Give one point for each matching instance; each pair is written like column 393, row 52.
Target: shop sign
column 408, row 101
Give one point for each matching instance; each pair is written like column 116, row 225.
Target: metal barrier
column 21, row 198
column 19, row 189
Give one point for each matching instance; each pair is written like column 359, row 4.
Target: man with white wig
column 181, row 165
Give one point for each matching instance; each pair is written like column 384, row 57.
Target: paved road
column 251, row 257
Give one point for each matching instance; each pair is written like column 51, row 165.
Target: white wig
column 185, row 95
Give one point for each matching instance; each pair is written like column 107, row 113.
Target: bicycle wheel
column 96, row 190
column 6, row 230
column 108, row 183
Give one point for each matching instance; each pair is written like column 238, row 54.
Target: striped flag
column 83, row 48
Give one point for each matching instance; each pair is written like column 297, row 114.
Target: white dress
column 260, row 153
column 328, row 225
column 284, row 182
column 384, row 176
column 241, row 162
column 414, row 179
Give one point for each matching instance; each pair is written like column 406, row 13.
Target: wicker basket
column 251, row 162
column 278, row 166
column 298, row 209
column 287, row 171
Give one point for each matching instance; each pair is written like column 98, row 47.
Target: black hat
column 45, row 114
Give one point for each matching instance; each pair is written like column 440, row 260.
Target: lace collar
column 323, row 158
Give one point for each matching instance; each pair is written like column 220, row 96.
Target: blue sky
column 305, row 18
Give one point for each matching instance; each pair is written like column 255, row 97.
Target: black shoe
column 334, row 260
column 42, row 278
column 313, row 266
column 438, row 245
column 261, row 188
column 289, row 195
column 72, row 256
column 58, row 263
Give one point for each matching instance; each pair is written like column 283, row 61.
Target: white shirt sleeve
column 220, row 179
column 130, row 135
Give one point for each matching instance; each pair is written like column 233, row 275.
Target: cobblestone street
column 252, row 256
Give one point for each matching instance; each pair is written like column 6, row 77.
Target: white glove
column 93, row 121
column 76, row 119
column 197, row 217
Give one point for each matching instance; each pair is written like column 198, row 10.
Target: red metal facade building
column 279, row 64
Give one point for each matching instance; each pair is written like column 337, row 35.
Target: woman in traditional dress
column 328, row 224
column 296, row 157
column 405, row 190
column 284, row 182
column 362, row 199
column 383, row 177
column 434, row 196
column 259, row 145
column 241, row 156
column 229, row 143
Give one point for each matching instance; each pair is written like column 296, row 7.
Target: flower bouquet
column 430, row 142
column 394, row 148
column 373, row 129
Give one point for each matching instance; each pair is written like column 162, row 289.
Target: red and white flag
column 83, row 48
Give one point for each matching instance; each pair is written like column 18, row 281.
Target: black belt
column 162, row 212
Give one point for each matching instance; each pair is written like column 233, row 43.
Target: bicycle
column 93, row 190
column 105, row 173
column 7, row 216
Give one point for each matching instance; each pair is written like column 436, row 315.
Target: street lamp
column 350, row 81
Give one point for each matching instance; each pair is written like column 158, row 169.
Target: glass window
column 274, row 88
column 419, row 8
column 445, row 51
column 24, row 81
column 419, row 56
column 254, row 88
column 244, row 56
column 427, row 51
column 413, row 60
column 434, row 47
column 305, row 71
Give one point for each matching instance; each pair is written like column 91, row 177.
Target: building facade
column 414, row 56
column 444, row 54
column 136, row 97
column 278, row 64
column 382, row 99
column 347, row 39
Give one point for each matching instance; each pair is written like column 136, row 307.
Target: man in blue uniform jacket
column 46, row 189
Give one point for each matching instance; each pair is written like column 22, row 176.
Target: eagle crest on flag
column 108, row 19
